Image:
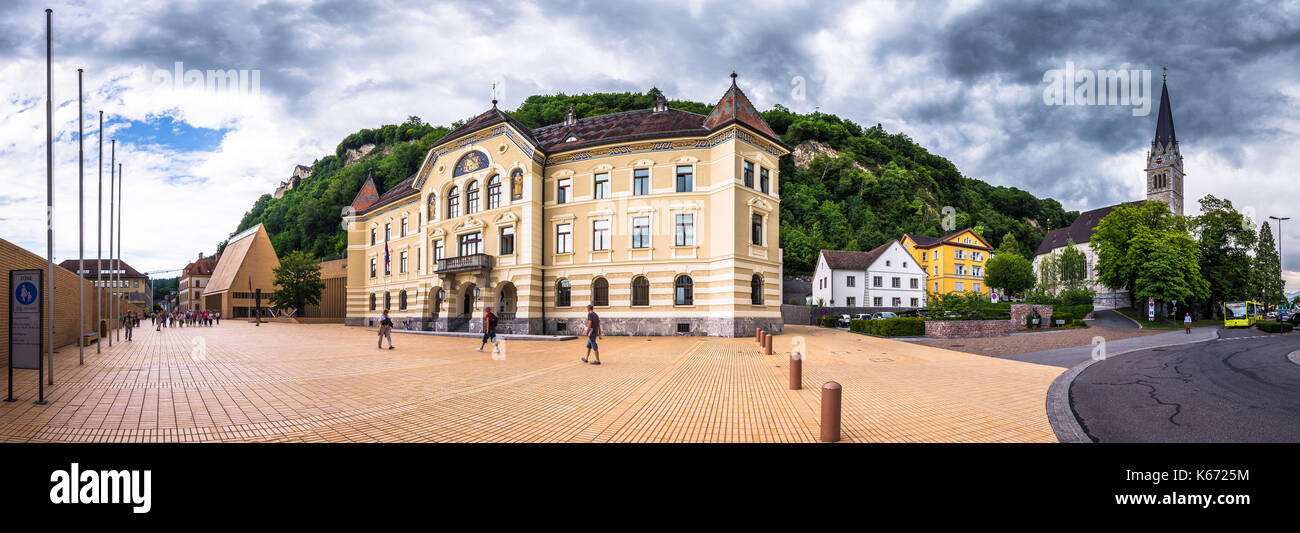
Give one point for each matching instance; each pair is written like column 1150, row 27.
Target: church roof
column 1165, row 120
column 1079, row 232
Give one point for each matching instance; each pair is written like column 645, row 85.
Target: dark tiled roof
column 130, row 272
column 1165, row 122
column 620, row 127
column 401, row 190
column 490, row 117
column 843, row 260
column 1079, row 232
column 736, row 107
column 925, row 242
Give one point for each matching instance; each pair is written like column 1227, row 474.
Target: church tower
column 1164, row 163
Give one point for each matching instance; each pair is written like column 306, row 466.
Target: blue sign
column 26, row 293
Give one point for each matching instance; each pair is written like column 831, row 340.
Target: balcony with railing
column 464, row 263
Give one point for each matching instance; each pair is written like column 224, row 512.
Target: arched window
column 600, row 292
column 453, row 202
column 372, row 302
column 562, row 293
column 388, row 301
column 471, row 198
column 756, row 290
column 494, row 192
column 640, row 291
column 401, row 300
column 433, row 207
column 684, row 291
column 517, row 184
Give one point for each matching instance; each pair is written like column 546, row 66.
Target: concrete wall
column 13, row 257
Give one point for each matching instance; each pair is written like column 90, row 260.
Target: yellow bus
column 1241, row 314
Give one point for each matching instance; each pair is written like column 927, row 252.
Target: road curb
column 1294, row 357
column 1065, row 424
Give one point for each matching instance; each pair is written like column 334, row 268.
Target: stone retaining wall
column 953, row 329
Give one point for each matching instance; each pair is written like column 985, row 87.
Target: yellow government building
column 953, row 263
column 666, row 221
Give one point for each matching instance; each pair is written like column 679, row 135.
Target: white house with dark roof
column 886, row 277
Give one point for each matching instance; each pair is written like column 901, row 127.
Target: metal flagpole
column 112, row 181
column 118, row 269
column 81, row 224
column 49, row 185
column 99, row 255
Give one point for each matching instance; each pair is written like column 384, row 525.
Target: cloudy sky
column 964, row 79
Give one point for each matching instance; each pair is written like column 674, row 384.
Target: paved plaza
column 328, row 383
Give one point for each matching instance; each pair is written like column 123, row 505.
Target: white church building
column 886, row 277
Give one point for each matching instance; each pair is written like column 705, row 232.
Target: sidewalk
column 1068, row 357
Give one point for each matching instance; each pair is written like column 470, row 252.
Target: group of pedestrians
column 180, row 319
column 591, row 332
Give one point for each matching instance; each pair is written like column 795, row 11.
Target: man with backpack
column 385, row 330
column 489, row 327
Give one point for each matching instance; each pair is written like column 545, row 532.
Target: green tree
column 1048, row 277
column 1009, row 273
column 1009, row 245
column 1112, row 240
column 298, row 282
column 1072, row 267
column 1267, row 269
column 1149, row 251
column 1225, row 238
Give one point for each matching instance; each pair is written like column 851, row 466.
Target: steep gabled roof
column 485, row 119
column 1079, row 232
column 846, row 260
column 735, row 107
column 202, row 267
column 402, row 190
column 1165, row 121
column 366, row 197
column 233, row 257
column 929, row 242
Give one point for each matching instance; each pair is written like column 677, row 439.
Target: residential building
column 119, row 278
column 660, row 218
column 886, row 277
column 953, row 263
column 194, row 278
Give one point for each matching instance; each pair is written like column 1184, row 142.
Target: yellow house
column 664, row 220
column 954, row 263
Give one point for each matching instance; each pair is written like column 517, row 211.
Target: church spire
column 1165, row 120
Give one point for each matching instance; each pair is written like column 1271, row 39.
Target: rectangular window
column 641, row 181
column 685, row 178
column 936, row 286
column 641, row 232
column 600, row 235
column 876, row 301
column 388, row 268
column 471, row 244
column 923, row 255
column 437, row 250
column 508, row 240
column 915, row 283
column 756, row 229
column 961, row 287
column 852, row 302
column 419, row 257
column 388, row 231
column 749, row 174
column 403, row 226
column 851, row 281
column 977, row 287
column 897, row 301
column 564, row 238
column 960, row 269
column 373, row 232
column 976, row 271
column 763, row 181
column 685, row 234
column 601, row 189
column 562, row 191
column 401, row 266
column 896, row 283
column 373, row 264
column 877, row 281
column 914, row 302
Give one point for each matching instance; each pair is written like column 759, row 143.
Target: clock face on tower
column 1158, row 161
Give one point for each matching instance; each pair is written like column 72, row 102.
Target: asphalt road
column 1111, row 319
column 1240, row 388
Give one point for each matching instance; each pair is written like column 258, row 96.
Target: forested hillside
column 869, row 187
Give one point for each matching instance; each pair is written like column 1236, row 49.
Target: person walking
column 489, row 327
column 385, row 330
column 1187, row 323
column 129, row 323
column 593, row 332
column 217, row 316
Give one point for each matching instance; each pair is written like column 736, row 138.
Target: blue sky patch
column 168, row 132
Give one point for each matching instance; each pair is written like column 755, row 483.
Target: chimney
column 572, row 117
column 200, row 255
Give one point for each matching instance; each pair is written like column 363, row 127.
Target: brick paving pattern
column 328, row 383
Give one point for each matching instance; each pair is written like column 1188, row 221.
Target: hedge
column 890, row 327
column 829, row 321
column 1274, row 327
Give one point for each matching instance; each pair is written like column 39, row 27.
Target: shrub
column 1073, row 297
column 1076, row 324
column 890, row 327
column 1062, row 315
column 829, row 321
column 1274, row 327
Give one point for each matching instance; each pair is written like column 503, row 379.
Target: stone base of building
column 658, row 326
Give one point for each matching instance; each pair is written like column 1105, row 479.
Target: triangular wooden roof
column 251, row 242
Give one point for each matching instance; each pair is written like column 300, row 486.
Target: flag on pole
column 385, row 253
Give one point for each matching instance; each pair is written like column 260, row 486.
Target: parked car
column 1294, row 318
column 883, row 315
column 1271, row 315
column 862, row 316
column 844, row 321
column 911, row 313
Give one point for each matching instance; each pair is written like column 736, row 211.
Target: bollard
column 758, row 337
column 796, row 372
column 767, row 344
column 830, row 412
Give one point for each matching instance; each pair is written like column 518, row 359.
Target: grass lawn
column 1162, row 323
